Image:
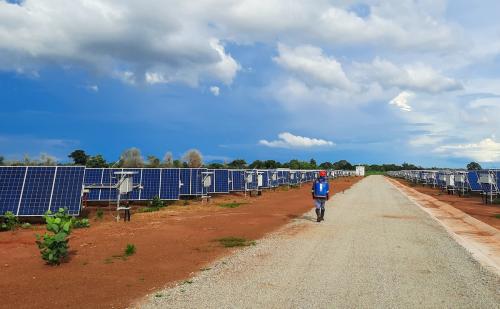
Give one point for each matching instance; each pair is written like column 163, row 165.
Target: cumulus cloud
column 401, row 101
column 93, row 88
column 215, row 90
column 417, row 77
column 486, row 150
column 288, row 140
column 310, row 64
column 155, row 42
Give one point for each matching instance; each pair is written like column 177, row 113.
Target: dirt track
column 171, row 245
column 376, row 249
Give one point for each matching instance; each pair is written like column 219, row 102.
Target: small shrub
column 9, row 221
column 497, row 216
column 26, row 225
column 230, row 242
column 156, row 202
column 100, row 214
column 82, row 223
column 54, row 247
column 149, row 209
column 129, row 250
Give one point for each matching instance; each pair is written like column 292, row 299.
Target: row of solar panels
column 172, row 183
column 484, row 181
column 33, row 190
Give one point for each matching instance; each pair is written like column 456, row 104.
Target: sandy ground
column 471, row 205
column 172, row 245
column 376, row 249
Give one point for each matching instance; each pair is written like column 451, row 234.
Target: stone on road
column 375, row 249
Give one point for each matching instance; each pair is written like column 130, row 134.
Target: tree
column 343, row 165
column 193, row 158
column 96, row 161
column 326, row 165
column 312, row 164
column 79, row 157
column 168, row 160
column 47, row 160
column 238, row 164
column 131, row 158
column 473, row 166
column 256, row 164
column 2, row 160
column 215, row 165
column 153, row 161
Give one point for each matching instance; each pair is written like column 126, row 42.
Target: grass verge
column 231, row 205
column 230, row 242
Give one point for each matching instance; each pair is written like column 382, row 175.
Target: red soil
column 171, row 245
column 472, row 205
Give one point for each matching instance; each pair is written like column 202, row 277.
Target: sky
column 367, row 81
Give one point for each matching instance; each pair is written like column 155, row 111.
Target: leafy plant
column 9, row 221
column 54, row 245
column 130, row 250
column 100, row 214
column 26, row 225
column 81, row 223
column 156, row 202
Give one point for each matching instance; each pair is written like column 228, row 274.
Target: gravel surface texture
column 375, row 249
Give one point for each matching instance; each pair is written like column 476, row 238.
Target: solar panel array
column 33, row 190
column 164, row 183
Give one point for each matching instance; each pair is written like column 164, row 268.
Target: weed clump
column 231, row 205
column 497, row 216
column 80, row 224
column 100, row 214
column 129, row 250
column 9, row 221
column 229, row 242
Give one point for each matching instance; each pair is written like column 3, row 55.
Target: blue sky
column 366, row 81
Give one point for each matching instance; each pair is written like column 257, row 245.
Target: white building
column 360, row 170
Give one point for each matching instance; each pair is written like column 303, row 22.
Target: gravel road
column 375, row 249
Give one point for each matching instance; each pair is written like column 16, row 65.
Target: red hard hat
column 322, row 173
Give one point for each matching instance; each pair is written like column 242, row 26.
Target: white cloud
column 215, row 90
column 312, row 66
column 288, row 140
column 93, row 88
column 417, row 77
column 401, row 101
column 486, row 150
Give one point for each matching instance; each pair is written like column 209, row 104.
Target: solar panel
column 264, row 175
column 169, row 184
column 33, row 190
column 220, row 181
column 473, row 181
column 93, row 176
column 150, row 183
column 237, row 180
column 191, row 181
column 67, row 189
column 251, row 180
column 11, row 187
column 109, row 179
column 38, row 185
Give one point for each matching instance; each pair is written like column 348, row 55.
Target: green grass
column 230, row 242
column 231, row 205
column 129, row 250
column 149, row 209
column 205, row 268
column 496, row 216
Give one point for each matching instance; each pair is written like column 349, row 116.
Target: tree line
column 132, row 158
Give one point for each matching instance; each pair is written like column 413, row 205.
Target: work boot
column 322, row 217
column 318, row 215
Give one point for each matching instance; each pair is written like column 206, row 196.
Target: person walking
column 320, row 193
